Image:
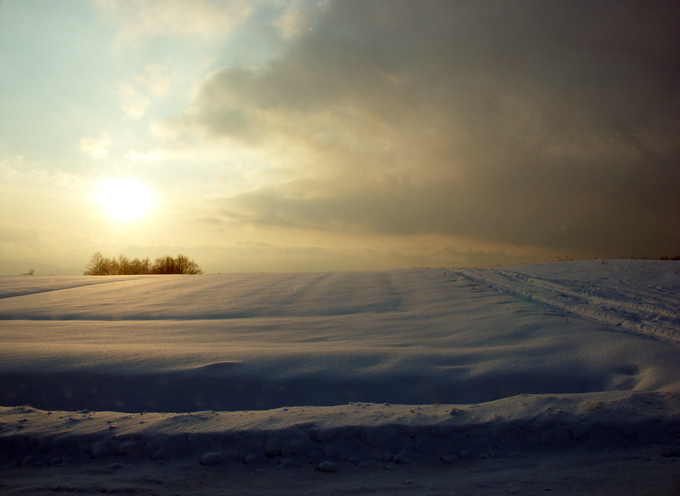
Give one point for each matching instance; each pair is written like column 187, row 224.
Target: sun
column 124, row 199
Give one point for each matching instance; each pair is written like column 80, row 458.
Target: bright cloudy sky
column 324, row 135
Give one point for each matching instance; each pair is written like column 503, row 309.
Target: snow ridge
column 360, row 434
column 642, row 310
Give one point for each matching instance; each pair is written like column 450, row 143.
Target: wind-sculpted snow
column 345, row 375
column 11, row 286
column 263, row 341
column 172, row 297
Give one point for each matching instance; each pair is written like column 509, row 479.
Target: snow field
column 343, row 373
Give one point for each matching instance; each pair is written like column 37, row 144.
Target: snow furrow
column 634, row 300
column 610, row 304
column 12, row 287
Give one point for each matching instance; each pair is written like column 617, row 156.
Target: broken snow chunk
column 212, row 458
column 160, row 455
column 403, row 457
column 99, row 449
column 129, row 448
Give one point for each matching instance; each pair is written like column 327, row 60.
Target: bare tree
column 140, row 266
column 98, row 265
column 124, row 265
column 184, row 265
column 163, row 265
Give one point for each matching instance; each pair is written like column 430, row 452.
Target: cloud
column 298, row 17
column 148, row 156
column 155, row 81
column 530, row 123
column 188, row 19
column 96, row 147
column 134, row 102
column 18, row 171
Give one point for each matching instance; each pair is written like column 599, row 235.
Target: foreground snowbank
column 358, row 433
column 343, row 373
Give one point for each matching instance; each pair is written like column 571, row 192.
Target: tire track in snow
column 635, row 310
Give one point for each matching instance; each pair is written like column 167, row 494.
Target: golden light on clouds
column 322, row 134
column 124, row 199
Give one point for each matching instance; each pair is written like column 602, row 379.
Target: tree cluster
column 102, row 266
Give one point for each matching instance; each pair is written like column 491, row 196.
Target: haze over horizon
column 328, row 135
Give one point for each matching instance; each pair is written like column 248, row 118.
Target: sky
column 331, row 135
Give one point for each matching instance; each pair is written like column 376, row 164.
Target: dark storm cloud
column 545, row 123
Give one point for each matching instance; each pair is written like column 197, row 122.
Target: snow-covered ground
column 556, row 378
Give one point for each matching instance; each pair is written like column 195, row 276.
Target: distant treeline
column 102, row 266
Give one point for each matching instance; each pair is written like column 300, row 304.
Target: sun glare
column 124, row 199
